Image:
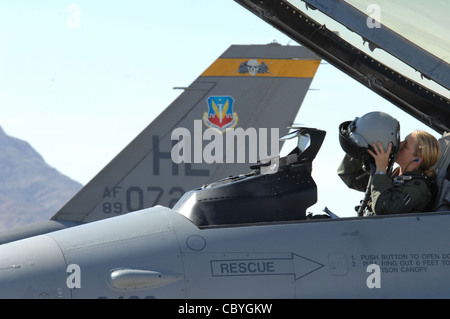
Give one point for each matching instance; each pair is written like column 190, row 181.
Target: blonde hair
column 429, row 150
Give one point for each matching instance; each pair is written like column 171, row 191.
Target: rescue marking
column 404, row 262
column 296, row 265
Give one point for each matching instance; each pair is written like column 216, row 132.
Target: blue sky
column 79, row 80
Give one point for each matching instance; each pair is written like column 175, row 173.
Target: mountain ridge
column 30, row 189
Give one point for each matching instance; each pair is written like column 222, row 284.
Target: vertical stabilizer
column 251, row 88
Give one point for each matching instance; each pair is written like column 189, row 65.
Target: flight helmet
column 357, row 136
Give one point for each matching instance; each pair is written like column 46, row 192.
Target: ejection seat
column 280, row 190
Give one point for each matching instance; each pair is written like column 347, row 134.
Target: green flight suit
column 404, row 194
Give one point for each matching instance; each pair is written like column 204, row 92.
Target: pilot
column 372, row 146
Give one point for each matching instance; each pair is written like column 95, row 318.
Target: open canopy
column 399, row 49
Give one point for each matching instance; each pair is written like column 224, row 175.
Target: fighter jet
column 231, row 103
column 248, row 235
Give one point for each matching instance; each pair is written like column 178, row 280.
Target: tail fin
column 249, row 86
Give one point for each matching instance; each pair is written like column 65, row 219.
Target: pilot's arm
column 352, row 173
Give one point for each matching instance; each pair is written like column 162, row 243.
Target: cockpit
column 281, row 189
column 277, row 189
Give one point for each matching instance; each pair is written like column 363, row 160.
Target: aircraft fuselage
column 159, row 253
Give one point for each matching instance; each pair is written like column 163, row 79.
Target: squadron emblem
column 253, row 67
column 220, row 113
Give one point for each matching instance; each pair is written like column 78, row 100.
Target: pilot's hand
column 381, row 157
